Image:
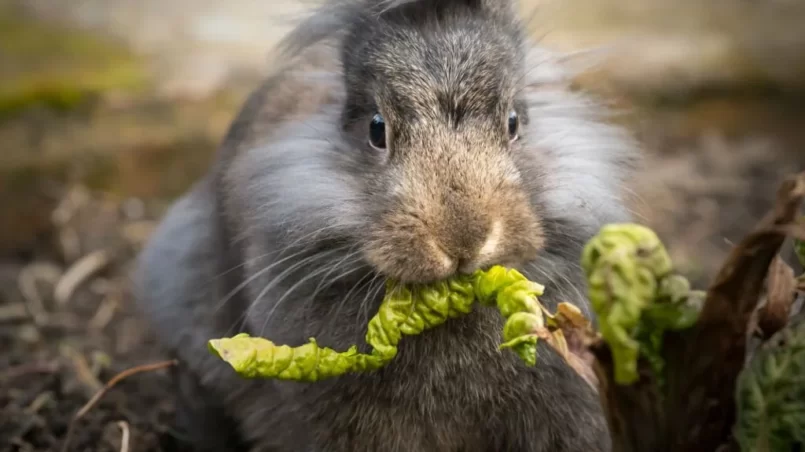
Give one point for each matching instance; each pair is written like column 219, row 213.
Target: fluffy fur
column 293, row 230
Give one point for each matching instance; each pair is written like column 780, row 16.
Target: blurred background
column 111, row 108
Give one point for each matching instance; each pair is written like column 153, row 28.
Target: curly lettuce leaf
column 406, row 310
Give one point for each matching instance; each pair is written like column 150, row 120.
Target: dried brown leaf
column 781, row 292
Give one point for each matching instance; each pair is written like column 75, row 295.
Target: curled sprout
column 405, row 310
column 635, row 295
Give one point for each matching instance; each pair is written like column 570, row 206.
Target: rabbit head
column 445, row 146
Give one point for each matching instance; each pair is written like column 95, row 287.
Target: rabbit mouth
column 425, row 265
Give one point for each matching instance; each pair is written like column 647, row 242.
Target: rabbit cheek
column 401, row 247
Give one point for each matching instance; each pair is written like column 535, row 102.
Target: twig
column 107, row 387
column 40, row 401
column 124, row 441
column 105, row 312
column 82, row 370
column 79, row 272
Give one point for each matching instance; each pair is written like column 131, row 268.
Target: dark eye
column 377, row 132
column 514, row 125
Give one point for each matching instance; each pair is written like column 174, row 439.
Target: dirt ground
column 61, row 342
column 67, row 321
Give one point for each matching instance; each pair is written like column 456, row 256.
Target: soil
column 60, row 349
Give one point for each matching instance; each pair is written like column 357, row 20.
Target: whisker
column 547, row 278
column 297, row 265
column 365, row 304
column 307, row 236
column 324, row 278
column 251, row 278
column 282, row 275
column 565, row 289
column 370, row 294
column 293, row 288
column 344, row 300
column 247, row 261
column 342, row 275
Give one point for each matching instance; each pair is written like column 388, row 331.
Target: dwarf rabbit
column 405, row 139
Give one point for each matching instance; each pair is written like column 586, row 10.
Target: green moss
column 44, row 64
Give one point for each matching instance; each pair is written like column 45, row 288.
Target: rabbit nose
column 481, row 256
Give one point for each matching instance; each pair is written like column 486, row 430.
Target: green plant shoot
column 405, row 310
column 636, row 296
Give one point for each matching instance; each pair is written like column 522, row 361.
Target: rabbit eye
column 514, row 125
column 377, row 132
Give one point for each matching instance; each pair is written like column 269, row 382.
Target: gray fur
column 289, row 234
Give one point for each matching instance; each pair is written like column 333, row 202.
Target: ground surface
column 712, row 168
column 58, row 350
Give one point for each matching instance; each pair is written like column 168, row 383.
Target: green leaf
column 406, row 310
column 770, row 394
